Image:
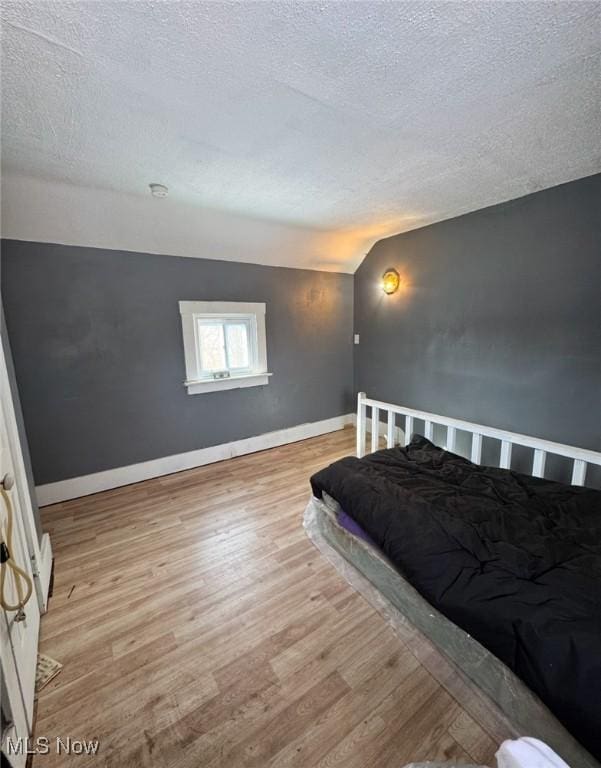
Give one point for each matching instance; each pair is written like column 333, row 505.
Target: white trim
column 221, row 307
column 580, row 456
column 73, row 488
column 191, row 311
column 232, row 382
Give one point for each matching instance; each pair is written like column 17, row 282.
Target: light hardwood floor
column 198, row 626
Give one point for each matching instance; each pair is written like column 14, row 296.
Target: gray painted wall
column 499, row 319
column 97, row 346
column 498, row 322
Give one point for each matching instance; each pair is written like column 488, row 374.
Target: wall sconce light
column 390, row 281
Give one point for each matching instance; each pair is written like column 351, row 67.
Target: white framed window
column 224, row 345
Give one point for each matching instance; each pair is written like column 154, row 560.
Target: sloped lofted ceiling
column 321, row 125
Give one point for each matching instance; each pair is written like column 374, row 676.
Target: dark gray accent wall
column 97, row 346
column 498, row 320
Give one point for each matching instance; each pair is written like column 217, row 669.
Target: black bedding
column 513, row 560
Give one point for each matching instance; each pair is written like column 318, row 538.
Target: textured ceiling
column 351, row 120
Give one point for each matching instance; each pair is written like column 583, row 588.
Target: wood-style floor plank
column 198, row 626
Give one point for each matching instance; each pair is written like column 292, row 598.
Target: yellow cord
column 18, row 573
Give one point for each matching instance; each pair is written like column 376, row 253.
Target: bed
column 510, row 562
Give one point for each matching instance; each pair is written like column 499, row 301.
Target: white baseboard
column 74, row 487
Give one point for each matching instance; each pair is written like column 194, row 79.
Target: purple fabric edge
column 350, row 525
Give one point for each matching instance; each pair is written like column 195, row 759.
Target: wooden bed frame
column 580, row 457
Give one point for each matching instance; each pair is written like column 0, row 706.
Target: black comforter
column 513, row 560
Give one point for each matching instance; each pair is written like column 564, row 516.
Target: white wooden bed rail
column 580, row 456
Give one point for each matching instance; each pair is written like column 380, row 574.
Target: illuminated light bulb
column 390, row 281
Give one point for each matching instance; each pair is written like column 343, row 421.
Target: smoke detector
column 158, row 190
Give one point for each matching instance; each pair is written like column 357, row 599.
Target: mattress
column 512, row 560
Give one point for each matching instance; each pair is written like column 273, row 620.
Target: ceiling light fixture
column 158, row 190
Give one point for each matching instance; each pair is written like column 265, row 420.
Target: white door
column 18, row 639
column 40, row 553
column 15, row 729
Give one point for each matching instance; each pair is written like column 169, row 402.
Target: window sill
column 200, row 386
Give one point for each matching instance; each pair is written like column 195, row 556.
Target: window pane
column 212, row 348
column 236, row 335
